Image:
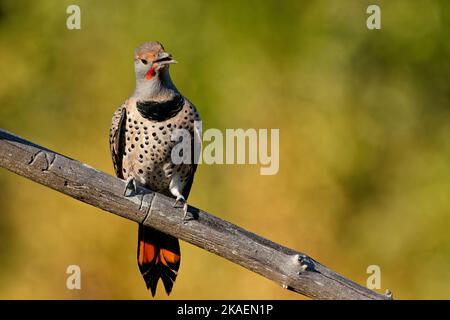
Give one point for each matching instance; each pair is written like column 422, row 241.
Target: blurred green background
column 364, row 127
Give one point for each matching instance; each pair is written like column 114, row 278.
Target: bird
column 141, row 143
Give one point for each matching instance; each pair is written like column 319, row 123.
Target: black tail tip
column 152, row 280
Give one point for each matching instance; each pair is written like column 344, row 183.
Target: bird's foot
column 181, row 200
column 130, row 187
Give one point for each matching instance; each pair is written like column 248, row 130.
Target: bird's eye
column 144, row 61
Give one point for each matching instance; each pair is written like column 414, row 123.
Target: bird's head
column 151, row 60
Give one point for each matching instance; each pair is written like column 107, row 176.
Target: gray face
column 141, row 67
column 150, row 60
column 151, row 64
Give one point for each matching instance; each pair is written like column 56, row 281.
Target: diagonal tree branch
column 291, row 269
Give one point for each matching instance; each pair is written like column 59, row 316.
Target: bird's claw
column 181, row 200
column 130, row 187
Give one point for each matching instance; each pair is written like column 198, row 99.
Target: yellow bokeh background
column 364, row 125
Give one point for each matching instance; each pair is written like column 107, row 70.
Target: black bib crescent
column 160, row 110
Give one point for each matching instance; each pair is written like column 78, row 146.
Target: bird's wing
column 116, row 139
column 196, row 144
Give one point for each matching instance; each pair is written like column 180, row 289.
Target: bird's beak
column 165, row 58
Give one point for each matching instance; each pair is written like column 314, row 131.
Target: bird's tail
column 158, row 258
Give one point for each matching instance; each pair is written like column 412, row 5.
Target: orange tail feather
column 158, row 258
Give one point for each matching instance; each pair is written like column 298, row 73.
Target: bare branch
column 291, row 269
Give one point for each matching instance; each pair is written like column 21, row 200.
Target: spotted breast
column 147, row 144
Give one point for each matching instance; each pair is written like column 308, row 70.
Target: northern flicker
column 141, row 145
